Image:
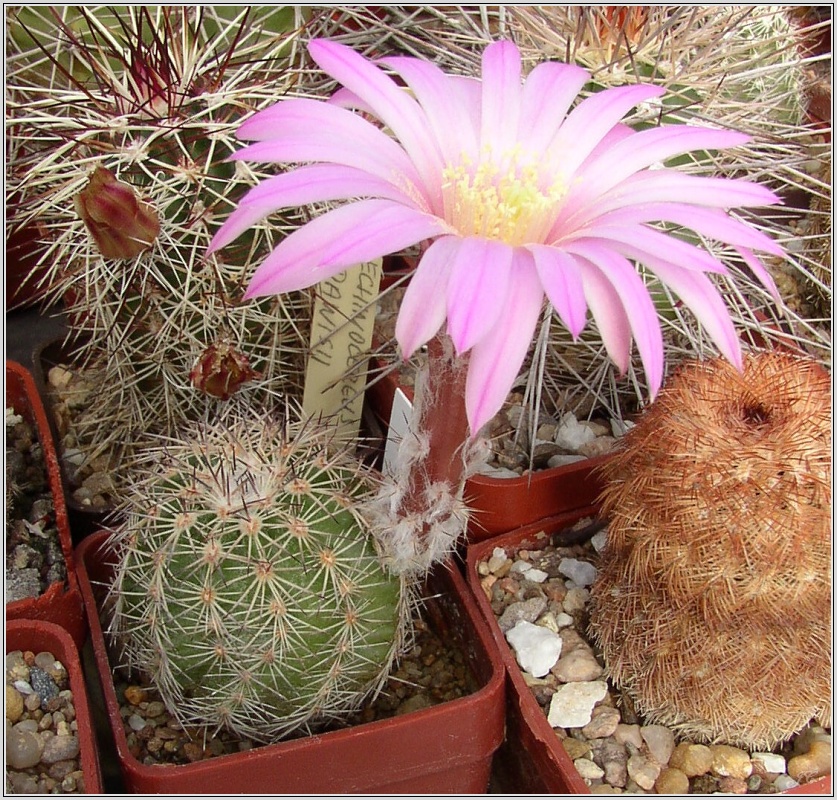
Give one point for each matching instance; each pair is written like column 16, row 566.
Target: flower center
column 502, row 199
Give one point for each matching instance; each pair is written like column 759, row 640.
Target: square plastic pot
column 532, row 758
column 39, row 636
column 447, row 748
column 61, row 602
column 499, row 505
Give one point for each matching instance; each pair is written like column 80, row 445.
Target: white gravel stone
column 563, row 620
column 528, row 572
column 599, row 540
column 620, row 427
column 784, row 782
column 643, row 771
column 136, row 722
column 571, row 434
column 497, row 560
column 588, row 769
column 572, row 705
column 771, row 762
column 536, row 648
column 581, row 573
column 660, row 741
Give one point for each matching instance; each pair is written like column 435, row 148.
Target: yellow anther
column 503, row 201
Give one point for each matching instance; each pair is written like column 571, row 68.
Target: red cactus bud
column 119, row 222
column 221, row 370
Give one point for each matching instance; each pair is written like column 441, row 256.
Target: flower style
column 516, row 197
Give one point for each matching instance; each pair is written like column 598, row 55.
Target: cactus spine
column 248, row 586
column 121, row 123
column 712, row 604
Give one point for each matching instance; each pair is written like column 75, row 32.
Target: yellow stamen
column 502, row 199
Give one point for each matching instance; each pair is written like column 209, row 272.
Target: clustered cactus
column 713, row 601
column 121, row 123
column 248, row 586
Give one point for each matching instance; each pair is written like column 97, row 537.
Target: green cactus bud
column 249, row 588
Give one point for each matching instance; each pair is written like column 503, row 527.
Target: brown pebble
column 14, row 704
column 813, row 764
column 135, row 695
column 731, row 785
column 730, row 762
column 691, row 759
column 192, row 751
column 672, row 781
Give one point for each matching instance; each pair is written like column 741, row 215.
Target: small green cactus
column 249, row 588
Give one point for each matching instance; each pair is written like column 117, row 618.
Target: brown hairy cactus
column 713, row 601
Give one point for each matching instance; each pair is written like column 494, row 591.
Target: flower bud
column 119, row 222
column 221, row 370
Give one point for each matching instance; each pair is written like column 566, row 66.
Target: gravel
column 611, row 746
column 42, row 745
column 34, row 559
column 432, row 672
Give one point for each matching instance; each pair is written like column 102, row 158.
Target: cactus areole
column 249, row 589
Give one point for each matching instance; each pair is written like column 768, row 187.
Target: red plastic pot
column 499, row 505
column 61, row 602
column 445, row 749
column 532, row 758
column 39, row 636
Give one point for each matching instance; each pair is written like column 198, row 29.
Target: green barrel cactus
column 249, row 588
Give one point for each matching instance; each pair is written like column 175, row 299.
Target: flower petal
column 609, row 313
column 637, row 302
column 697, row 291
column 477, row 289
column 392, row 105
column 299, row 187
column 501, row 95
column 346, row 99
column 299, row 129
column 455, row 128
column 590, row 121
column 665, row 186
column 496, row 359
column 710, row 222
column 560, row 276
column 635, row 241
column 647, row 147
column 760, row 272
column 336, row 240
column 424, row 305
column 548, row 93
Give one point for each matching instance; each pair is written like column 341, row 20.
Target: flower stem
column 440, row 409
column 420, row 514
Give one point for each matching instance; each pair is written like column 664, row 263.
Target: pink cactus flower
column 514, row 195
